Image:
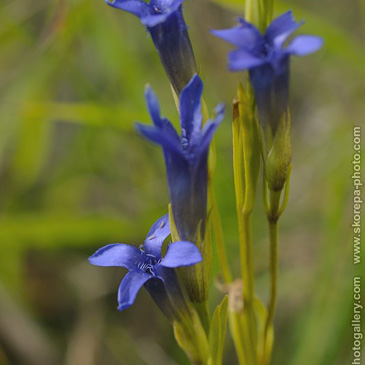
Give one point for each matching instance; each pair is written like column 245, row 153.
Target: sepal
column 278, row 159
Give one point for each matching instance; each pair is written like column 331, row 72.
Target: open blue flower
column 186, row 156
column 147, row 267
column 165, row 22
column 267, row 60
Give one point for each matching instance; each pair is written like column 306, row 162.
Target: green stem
column 213, row 207
column 273, row 271
column 274, row 206
column 218, row 236
column 273, row 226
column 245, row 196
column 273, row 215
column 245, row 228
column 238, row 336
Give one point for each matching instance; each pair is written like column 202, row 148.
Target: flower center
column 266, row 50
column 157, row 10
column 184, row 140
column 148, row 263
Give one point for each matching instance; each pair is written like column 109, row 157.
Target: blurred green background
column 74, row 176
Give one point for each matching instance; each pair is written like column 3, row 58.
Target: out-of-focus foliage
column 75, row 176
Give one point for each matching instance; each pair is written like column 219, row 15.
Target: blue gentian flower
column 165, row 22
column 148, row 268
column 185, row 156
column 267, row 60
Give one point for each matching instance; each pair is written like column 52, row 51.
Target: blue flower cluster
column 186, row 163
column 267, row 59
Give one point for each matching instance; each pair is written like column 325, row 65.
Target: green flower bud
column 278, row 154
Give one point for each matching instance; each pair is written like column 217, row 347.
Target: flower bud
column 278, row 159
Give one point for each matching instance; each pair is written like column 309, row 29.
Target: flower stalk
column 246, row 167
column 274, row 209
column 218, row 236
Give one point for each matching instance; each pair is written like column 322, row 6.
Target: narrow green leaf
column 261, row 315
column 217, row 333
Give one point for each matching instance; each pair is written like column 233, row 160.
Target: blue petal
column 219, row 113
column 244, row 35
column 181, row 253
column 157, row 290
column 190, row 110
column 281, row 28
column 158, row 136
column 169, row 130
column 166, row 5
column 117, row 254
column 165, row 10
column 153, row 105
column 210, row 127
column 166, row 291
column 240, row 60
column 151, row 21
column 162, row 123
column 129, row 287
column 304, row 45
column 156, row 236
column 136, row 7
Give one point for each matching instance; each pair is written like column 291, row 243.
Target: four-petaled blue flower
column 165, row 22
column 268, row 61
column 147, row 267
column 186, row 156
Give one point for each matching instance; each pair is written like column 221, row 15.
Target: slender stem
column 213, row 207
column 219, row 238
column 248, row 281
column 238, row 336
column 273, row 215
column 273, row 227
column 245, row 196
column 247, row 256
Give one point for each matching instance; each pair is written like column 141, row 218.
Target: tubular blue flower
column 268, row 61
column 148, row 268
column 186, row 156
column 165, row 22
